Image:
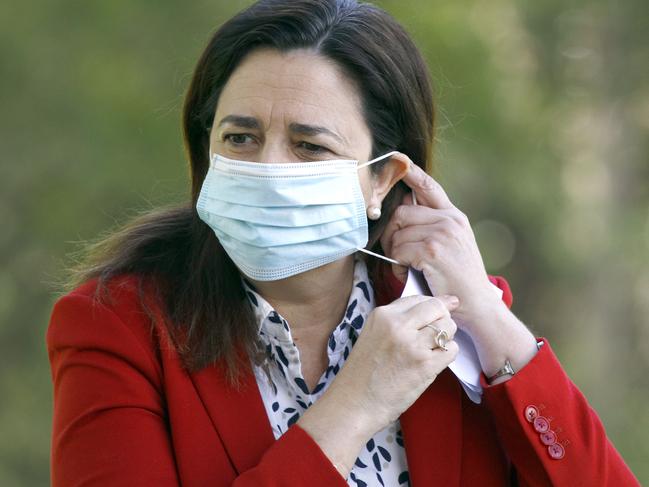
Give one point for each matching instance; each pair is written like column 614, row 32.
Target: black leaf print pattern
column 378, row 476
column 289, row 410
column 280, row 354
column 275, row 406
column 253, row 299
column 274, row 317
column 293, row 419
column 302, row 385
column 404, row 478
column 359, row 463
column 301, row 403
column 332, row 343
column 357, row 322
column 319, row 387
column 399, row 438
column 329, row 370
column 385, row 453
column 351, row 308
column 377, row 461
column 363, row 287
column 359, row 482
column 370, row 445
column 346, row 353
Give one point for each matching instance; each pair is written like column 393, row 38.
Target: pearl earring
column 374, row 212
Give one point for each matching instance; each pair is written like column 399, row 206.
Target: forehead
column 296, row 86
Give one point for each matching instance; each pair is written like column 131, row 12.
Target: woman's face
column 294, row 106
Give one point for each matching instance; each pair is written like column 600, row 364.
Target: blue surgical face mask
column 276, row 220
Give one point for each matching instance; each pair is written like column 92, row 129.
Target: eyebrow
column 241, row 121
column 298, row 128
column 311, row 130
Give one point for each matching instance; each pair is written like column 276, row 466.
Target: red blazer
column 125, row 413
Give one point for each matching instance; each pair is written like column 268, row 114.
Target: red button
column 531, row 412
column 541, row 424
column 549, row 437
column 556, row 451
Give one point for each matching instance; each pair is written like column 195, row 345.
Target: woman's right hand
column 390, row 365
column 394, row 359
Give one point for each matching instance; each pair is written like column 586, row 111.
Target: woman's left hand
column 436, row 238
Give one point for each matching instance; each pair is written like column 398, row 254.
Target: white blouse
column 382, row 460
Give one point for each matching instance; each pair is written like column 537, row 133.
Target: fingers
column 445, row 323
column 428, row 333
column 402, row 305
column 428, row 191
column 421, row 233
column 416, row 311
column 405, row 216
column 428, row 310
column 438, row 358
column 417, row 255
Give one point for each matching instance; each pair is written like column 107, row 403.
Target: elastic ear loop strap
column 414, row 200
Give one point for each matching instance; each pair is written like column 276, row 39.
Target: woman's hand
column 389, row 367
column 394, row 359
column 436, row 238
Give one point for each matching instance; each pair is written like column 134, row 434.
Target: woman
column 243, row 340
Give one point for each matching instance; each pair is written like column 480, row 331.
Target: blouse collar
column 361, row 302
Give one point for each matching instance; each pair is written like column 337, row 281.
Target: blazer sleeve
column 549, row 431
column 109, row 420
column 568, row 445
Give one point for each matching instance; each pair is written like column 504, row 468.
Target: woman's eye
column 313, row 148
column 238, row 139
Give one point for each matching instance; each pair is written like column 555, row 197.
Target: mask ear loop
column 369, row 252
column 377, row 159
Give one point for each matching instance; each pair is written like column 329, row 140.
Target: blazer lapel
column 432, row 432
column 238, row 416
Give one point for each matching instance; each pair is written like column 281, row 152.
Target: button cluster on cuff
column 548, row 437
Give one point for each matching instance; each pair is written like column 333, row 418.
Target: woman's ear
column 391, row 173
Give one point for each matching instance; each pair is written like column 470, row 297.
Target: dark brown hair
column 175, row 253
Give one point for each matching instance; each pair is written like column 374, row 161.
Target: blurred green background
column 543, row 134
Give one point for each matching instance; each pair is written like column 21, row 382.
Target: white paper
column 466, row 365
